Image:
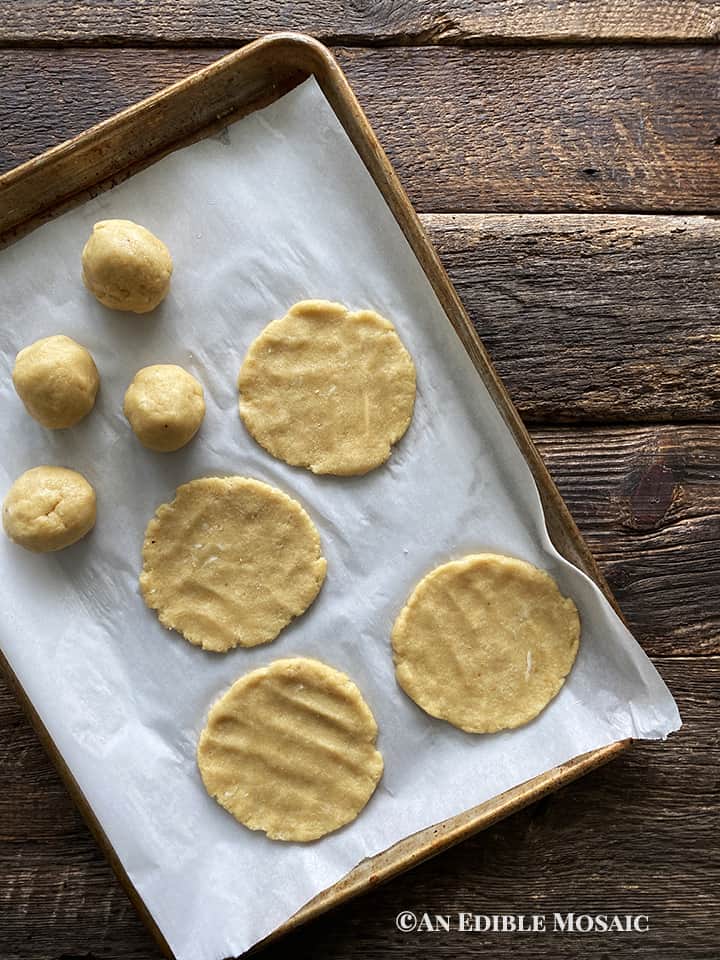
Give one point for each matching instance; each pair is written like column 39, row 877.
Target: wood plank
column 647, row 500
column 494, row 129
column 599, row 318
column 619, row 840
column 455, row 22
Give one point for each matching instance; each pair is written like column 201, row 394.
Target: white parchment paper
column 279, row 208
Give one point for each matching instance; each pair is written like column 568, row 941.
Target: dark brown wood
column 58, row 898
column 432, row 21
column 647, row 500
column 593, row 128
column 603, row 318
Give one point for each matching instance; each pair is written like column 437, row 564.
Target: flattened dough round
column 327, row 389
column 230, row 562
column 49, row 508
column 290, row 750
column 485, row 642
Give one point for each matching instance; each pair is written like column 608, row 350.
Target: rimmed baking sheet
column 276, row 209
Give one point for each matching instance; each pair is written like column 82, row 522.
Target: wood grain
column 58, row 898
column 593, row 317
column 536, row 129
column 386, row 22
column 647, row 500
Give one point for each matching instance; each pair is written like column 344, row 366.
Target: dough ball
column 485, row 642
column 230, row 562
column 328, row 389
column 57, row 380
column 48, row 508
column 126, row 266
column 290, row 750
column 165, row 406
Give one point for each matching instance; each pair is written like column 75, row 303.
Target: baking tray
column 183, row 113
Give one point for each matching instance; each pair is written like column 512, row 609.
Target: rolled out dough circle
column 328, row 389
column 230, row 562
column 290, row 750
column 485, row 642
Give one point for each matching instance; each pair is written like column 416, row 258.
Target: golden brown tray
column 188, row 111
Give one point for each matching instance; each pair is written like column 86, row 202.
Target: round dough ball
column 230, row 562
column 327, row 389
column 48, row 508
column 165, row 406
column 485, row 642
column 290, row 750
column 126, row 266
column 57, row 380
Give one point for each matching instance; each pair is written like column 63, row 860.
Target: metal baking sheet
column 277, row 208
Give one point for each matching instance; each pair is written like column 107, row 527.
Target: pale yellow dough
column 290, row 750
column 165, row 406
column 57, row 380
column 485, row 642
column 230, row 562
column 126, row 266
column 49, row 508
column 328, row 389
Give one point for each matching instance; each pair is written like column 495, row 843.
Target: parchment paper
column 277, row 209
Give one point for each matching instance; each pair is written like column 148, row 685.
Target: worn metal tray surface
column 188, row 111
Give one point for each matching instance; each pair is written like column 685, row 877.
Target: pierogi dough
column 126, row 266
column 327, row 389
column 165, row 406
column 57, row 380
column 230, row 562
column 290, row 750
column 48, row 508
column 485, row 642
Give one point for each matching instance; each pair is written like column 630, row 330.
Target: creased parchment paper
column 277, row 209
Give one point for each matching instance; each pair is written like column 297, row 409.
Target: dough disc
column 230, row 562
column 485, row 642
column 327, row 389
column 290, row 750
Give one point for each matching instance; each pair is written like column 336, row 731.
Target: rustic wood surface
column 606, row 329
column 123, row 22
column 593, row 318
column 587, row 128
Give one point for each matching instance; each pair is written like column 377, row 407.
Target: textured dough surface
column 290, row 750
column 126, row 266
column 485, row 642
column 57, row 380
column 327, row 389
column 165, row 406
column 49, row 508
column 230, row 562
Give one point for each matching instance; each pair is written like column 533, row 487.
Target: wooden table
column 565, row 157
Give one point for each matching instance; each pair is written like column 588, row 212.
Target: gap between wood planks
column 121, row 42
